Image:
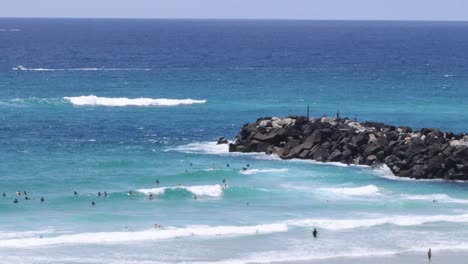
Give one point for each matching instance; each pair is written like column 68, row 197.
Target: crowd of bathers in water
column 130, row 193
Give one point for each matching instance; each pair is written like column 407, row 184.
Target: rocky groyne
column 423, row 154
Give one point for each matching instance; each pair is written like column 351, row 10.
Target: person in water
column 4, row 194
column 130, row 193
column 18, row 193
column 105, row 194
column 224, row 180
column 157, row 181
column 227, row 165
column 25, row 193
column 26, row 198
column 429, row 255
column 150, row 196
column 93, row 203
column 75, row 193
column 42, row 199
column 99, row 194
column 15, row 201
column 315, row 233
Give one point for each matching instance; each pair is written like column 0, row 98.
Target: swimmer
column 26, row 198
column 247, row 204
column 225, row 186
column 99, row 194
column 42, row 199
column 244, row 168
column 105, row 194
column 15, row 201
column 150, row 196
column 247, row 165
column 157, row 181
column 130, row 193
column 4, row 194
column 18, row 193
column 75, row 193
column 224, row 180
column 191, row 164
column 315, row 233
column 25, row 193
column 195, row 197
column 227, row 165
column 434, row 201
column 93, row 203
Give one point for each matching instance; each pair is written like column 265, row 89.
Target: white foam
column 203, row 148
column 255, row 171
column 399, row 220
column 368, row 190
column 92, row 100
column 25, row 234
column 439, row 197
column 200, row 190
column 152, row 234
column 23, row 68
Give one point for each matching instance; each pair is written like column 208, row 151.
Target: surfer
column 42, row 199
column 18, row 193
column 429, row 255
column 15, row 201
column 194, row 196
column 93, row 203
column 244, row 168
column 4, row 194
column 75, row 193
column 227, row 165
column 105, row 194
column 248, row 165
column 315, row 233
column 25, row 193
column 157, row 181
column 26, row 198
column 99, row 194
column 150, row 196
column 224, row 180
column 130, row 193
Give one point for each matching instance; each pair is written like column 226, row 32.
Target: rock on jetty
column 423, row 154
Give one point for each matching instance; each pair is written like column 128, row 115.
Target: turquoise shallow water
column 56, row 138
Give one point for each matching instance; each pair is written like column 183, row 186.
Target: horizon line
column 240, row 19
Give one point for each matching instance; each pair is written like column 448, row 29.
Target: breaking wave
column 399, row 220
column 23, row 68
column 200, row 190
column 255, row 171
column 152, row 234
column 92, row 100
column 367, row 190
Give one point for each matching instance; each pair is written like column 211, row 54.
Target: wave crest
column 92, row 100
column 152, row 234
column 200, row 190
column 367, row 190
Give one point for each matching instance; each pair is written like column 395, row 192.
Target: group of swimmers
column 25, row 194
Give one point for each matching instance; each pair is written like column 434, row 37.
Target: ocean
column 119, row 106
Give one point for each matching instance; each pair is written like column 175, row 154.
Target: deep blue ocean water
column 71, row 120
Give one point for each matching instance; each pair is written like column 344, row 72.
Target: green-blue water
column 57, row 138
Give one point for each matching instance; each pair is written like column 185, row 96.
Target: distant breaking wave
column 92, row 100
column 23, row 68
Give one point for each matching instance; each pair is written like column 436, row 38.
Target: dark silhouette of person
column 315, row 233
column 42, row 199
column 429, row 254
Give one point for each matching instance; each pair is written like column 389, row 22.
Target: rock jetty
column 423, row 154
